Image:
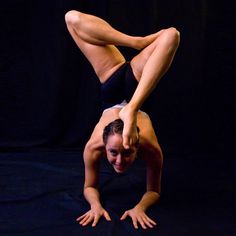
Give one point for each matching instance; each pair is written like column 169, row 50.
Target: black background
column 50, row 97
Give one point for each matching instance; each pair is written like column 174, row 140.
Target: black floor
column 41, row 194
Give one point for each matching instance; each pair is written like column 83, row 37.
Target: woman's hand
column 93, row 215
column 139, row 216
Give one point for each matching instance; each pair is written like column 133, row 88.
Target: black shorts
column 119, row 87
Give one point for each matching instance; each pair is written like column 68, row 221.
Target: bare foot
column 143, row 42
column 130, row 133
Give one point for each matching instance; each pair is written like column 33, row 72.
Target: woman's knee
column 172, row 36
column 73, row 17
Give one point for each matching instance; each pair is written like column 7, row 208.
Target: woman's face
column 119, row 157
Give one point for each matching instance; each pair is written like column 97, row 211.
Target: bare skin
column 98, row 40
column 149, row 150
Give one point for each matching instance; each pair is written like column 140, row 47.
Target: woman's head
column 119, row 157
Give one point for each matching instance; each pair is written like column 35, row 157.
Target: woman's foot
column 130, row 133
column 143, row 42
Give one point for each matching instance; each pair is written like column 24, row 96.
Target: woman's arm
column 154, row 167
column 151, row 196
column 151, row 153
column 92, row 155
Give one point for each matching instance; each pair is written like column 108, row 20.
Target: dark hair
column 114, row 127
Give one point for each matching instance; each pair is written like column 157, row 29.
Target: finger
column 141, row 222
column 106, row 215
column 84, row 219
column 135, row 223
column 95, row 221
column 147, row 222
column 81, row 217
column 151, row 221
column 87, row 221
column 124, row 215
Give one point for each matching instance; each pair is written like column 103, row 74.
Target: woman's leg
column 148, row 67
column 96, row 39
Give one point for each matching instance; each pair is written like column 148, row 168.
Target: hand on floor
column 138, row 216
column 93, row 216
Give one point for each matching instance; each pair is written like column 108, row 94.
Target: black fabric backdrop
column 50, row 102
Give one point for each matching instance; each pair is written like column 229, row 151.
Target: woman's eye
column 113, row 153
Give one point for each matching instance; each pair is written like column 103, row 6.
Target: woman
column 131, row 82
column 110, row 144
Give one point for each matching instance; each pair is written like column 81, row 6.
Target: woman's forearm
column 148, row 199
column 92, row 196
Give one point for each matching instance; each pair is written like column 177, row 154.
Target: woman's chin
column 119, row 169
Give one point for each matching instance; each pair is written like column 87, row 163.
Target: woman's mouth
column 119, row 167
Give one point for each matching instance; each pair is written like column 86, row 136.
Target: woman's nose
column 118, row 159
